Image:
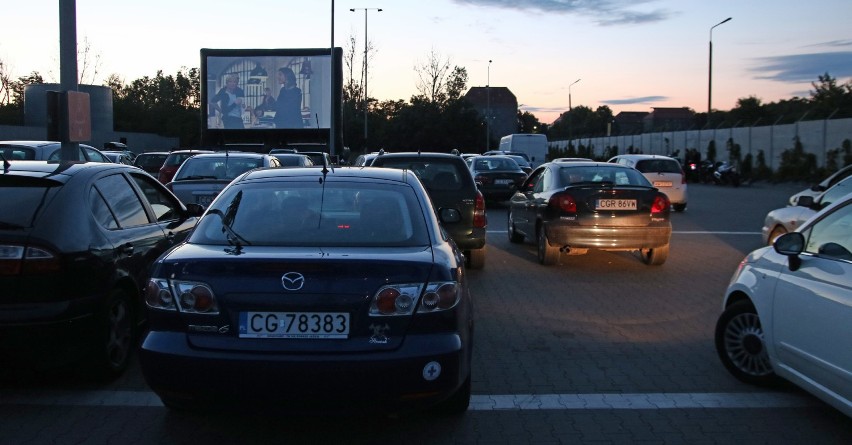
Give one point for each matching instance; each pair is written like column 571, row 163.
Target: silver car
column 788, row 219
column 200, row 178
column 787, row 310
column 46, row 151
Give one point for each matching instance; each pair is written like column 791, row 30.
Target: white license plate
column 310, row 325
column 503, row 181
column 662, row 183
column 204, row 200
column 615, row 204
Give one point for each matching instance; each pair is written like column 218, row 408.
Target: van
column 533, row 145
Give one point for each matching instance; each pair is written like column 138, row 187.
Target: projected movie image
column 267, row 92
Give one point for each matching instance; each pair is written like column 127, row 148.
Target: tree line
column 437, row 118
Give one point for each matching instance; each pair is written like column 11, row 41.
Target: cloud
column 635, row 100
column 833, row 43
column 796, row 68
column 604, row 12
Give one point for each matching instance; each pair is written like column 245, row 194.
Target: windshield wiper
column 196, row 177
column 233, row 237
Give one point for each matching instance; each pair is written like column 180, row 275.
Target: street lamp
column 488, row 109
column 710, row 71
column 366, row 98
column 569, row 110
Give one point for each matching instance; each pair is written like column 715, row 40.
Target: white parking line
column 649, row 401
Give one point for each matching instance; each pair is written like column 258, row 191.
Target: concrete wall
column 817, row 137
column 137, row 142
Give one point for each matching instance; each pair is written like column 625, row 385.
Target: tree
column 828, row 97
column 432, row 76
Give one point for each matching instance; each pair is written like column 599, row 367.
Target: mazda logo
column 293, row 281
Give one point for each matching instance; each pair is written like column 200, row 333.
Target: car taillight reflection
column 563, row 202
column 479, row 218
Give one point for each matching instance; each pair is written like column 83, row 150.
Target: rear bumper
column 468, row 239
column 608, row 238
column 426, row 370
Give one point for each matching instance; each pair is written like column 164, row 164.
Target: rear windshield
column 150, row 161
column 573, row 175
column 435, row 174
column 12, row 153
column 658, row 166
column 305, row 213
column 217, row 168
column 23, row 199
column 488, row 163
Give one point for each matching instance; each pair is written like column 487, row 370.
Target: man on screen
column 229, row 102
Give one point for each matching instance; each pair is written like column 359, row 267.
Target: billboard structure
column 271, row 96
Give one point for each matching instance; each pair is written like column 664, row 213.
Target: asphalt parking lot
column 599, row 348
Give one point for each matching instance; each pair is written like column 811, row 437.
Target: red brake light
column 479, row 218
column 482, row 179
column 564, row 202
column 386, row 300
column 661, row 204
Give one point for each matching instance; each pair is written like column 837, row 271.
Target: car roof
column 56, row 168
column 421, row 154
column 643, row 156
column 336, row 173
column 232, row 154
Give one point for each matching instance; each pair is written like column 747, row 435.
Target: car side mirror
column 805, row 201
column 791, row 245
column 449, row 215
column 193, row 209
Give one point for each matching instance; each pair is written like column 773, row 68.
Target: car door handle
column 171, row 237
column 127, row 249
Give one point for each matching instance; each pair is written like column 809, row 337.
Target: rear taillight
column 397, row 299
column 482, row 179
column 186, row 296
column 21, row 260
column 563, row 202
column 401, row 299
column 440, row 296
column 479, row 218
column 660, row 205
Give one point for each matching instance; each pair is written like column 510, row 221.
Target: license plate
column 615, row 204
column 307, row 325
column 662, row 183
column 503, row 181
column 204, row 200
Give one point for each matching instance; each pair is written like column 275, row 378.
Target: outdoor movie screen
column 266, row 89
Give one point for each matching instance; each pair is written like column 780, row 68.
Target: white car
column 787, row 311
column 665, row 173
column 788, row 219
column 826, row 183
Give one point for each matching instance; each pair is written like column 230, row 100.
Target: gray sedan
column 201, row 177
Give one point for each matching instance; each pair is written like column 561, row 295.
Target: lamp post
column 366, row 98
column 570, row 136
column 488, row 109
column 710, row 71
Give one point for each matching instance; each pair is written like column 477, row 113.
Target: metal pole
column 366, row 97
column 67, row 73
column 488, row 109
column 710, row 71
column 332, row 136
column 570, row 130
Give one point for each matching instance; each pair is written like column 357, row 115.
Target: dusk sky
column 630, row 55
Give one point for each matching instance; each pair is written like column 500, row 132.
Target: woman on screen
column 288, row 104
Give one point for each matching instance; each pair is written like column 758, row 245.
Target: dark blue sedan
column 313, row 289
